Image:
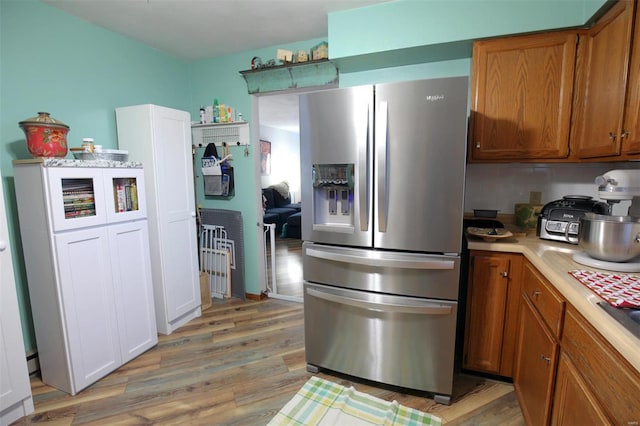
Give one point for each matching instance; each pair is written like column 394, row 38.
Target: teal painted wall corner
column 79, row 72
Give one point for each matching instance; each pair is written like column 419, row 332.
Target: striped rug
column 321, row 402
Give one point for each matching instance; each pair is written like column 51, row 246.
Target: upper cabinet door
column 521, row 97
column 631, row 143
column 76, row 197
column 125, row 194
column 603, row 61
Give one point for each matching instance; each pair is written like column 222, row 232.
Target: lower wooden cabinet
column 611, row 387
column 493, row 300
column 536, row 359
column 573, row 403
column 537, row 347
column 564, row 371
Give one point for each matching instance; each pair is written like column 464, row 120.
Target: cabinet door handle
column 535, row 293
column 624, row 134
column 545, row 359
column 504, row 274
column 612, row 136
column 477, row 144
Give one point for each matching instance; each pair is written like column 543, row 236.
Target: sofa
column 278, row 208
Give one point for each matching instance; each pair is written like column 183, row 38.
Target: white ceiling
column 200, row 29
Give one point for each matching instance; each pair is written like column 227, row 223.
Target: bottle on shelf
column 216, row 111
column 87, row 144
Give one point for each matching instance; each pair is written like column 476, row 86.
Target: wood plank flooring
column 288, row 266
column 239, row 364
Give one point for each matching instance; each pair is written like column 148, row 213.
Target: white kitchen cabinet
column 161, row 138
column 86, row 248
column 87, row 295
column 129, row 247
column 15, row 391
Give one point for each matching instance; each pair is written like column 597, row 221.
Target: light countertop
column 554, row 261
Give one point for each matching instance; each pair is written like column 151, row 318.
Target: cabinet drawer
column 546, row 301
column 613, row 382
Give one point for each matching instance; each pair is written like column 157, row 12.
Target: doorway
column 279, row 166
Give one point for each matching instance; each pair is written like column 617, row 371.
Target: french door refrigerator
column 383, row 171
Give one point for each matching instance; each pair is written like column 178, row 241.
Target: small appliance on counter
column 560, row 220
column 608, row 241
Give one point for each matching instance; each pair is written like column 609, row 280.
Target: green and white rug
column 321, row 402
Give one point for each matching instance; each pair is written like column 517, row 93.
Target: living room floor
column 288, row 266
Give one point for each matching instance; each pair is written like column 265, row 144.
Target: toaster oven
column 560, row 220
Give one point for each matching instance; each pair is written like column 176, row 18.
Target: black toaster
column 560, row 220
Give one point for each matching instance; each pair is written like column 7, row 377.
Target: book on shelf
column 134, row 196
column 126, row 196
column 120, row 198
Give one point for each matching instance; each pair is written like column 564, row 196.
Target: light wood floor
column 239, row 364
column 288, row 266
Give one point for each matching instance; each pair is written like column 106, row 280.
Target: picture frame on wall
column 265, row 158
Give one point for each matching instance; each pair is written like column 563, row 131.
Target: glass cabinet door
column 125, row 195
column 76, row 197
column 82, row 197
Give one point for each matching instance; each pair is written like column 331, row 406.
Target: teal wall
column 51, row 61
column 451, row 68
column 409, row 32
column 78, row 72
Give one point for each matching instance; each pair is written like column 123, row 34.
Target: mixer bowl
column 610, row 238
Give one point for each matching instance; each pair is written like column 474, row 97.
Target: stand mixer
column 620, row 185
column 614, row 187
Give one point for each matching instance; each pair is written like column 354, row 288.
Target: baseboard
column 256, row 297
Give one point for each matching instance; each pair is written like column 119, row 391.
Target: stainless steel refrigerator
column 383, row 170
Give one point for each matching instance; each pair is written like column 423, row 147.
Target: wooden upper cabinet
column 522, row 90
column 631, row 144
column 602, row 75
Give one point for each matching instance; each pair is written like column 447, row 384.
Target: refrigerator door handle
column 381, row 142
column 424, row 309
column 363, row 178
column 383, row 262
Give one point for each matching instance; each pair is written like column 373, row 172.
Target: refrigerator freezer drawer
column 408, row 274
column 401, row 341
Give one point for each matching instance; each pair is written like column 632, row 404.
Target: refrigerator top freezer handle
column 363, row 178
column 381, row 143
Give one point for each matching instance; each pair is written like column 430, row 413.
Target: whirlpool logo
column 433, row 98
